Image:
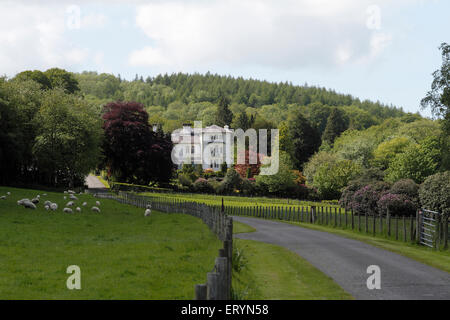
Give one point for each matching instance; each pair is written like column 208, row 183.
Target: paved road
column 93, row 182
column 346, row 261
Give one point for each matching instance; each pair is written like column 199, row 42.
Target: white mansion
column 210, row 146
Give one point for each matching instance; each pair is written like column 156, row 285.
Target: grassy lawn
column 274, row 273
column 236, row 201
column 434, row 258
column 121, row 253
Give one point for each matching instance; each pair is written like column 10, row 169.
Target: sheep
column 35, row 200
column 47, row 203
column 3, row 198
column 8, row 193
column 54, row 206
column 44, row 194
column 70, row 191
column 95, row 209
column 149, row 206
column 67, row 210
column 84, row 204
column 148, row 212
column 65, row 192
column 29, row 205
column 70, row 204
column 47, row 207
column 72, row 197
column 78, row 209
column 21, row 202
column 97, row 203
column 65, row 198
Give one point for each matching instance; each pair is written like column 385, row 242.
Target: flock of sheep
column 48, row 205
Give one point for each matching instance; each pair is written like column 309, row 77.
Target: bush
column 365, row 200
column 248, row 187
column 434, row 193
column 408, row 188
column 202, row 185
column 231, row 182
column 397, row 204
column 184, row 180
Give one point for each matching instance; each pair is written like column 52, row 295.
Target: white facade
column 210, row 146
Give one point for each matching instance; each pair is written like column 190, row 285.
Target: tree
column 224, row 115
column 62, row 78
column 280, row 183
column 243, row 122
column 305, row 139
column 438, row 99
column 331, row 179
column 35, row 75
column 336, row 124
column 133, row 152
column 387, row 151
column 68, row 139
column 417, row 162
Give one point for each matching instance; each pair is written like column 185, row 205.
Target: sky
column 383, row 50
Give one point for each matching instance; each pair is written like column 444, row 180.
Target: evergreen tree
column 243, row 122
column 224, row 115
column 305, row 139
column 336, row 124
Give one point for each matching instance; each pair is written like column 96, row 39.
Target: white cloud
column 284, row 34
column 33, row 36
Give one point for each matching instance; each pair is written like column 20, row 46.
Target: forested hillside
column 173, row 99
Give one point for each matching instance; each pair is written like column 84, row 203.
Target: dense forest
column 173, row 99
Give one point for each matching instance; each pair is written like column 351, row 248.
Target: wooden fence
column 218, row 281
column 399, row 228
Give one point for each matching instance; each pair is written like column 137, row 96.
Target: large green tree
column 305, row 139
column 68, row 138
column 336, row 124
column 438, row 99
column 224, row 115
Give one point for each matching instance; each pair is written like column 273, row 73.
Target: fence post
column 200, row 292
column 404, row 229
column 445, row 226
column 388, row 223
column 212, row 284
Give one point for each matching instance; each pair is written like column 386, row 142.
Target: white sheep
column 149, row 206
column 78, row 209
column 148, row 212
column 97, row 203
column 95, row 209
column 8, row 193
column 47, row 207
column 84, row 204
column 71, row 192
column 67, row 210
column 65, row 191
column 2, row 197
column 72, row 197
column 44, row 194
column 21, row 202
column 29, row 205
column 35, row 200
column 47, row 203
column 65, row 198
column 70, row 204
column 54, row 206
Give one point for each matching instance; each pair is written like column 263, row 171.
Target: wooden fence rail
column 218, row 283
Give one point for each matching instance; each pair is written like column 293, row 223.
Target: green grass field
column 274, row 273
column 121, row 253
column 237, row 201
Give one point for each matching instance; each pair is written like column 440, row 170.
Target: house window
column 192, row 149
